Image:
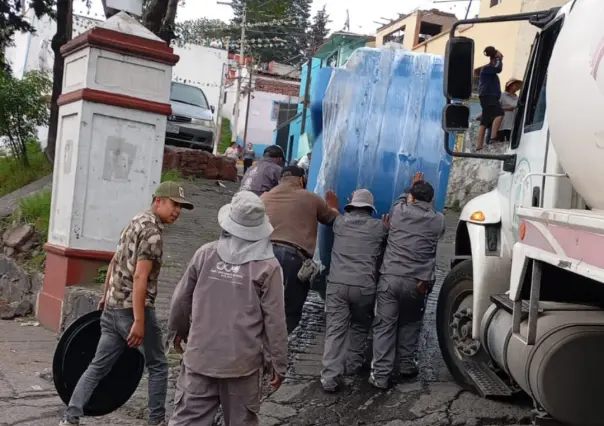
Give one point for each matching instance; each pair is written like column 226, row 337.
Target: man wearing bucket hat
column 489, row 89
column 509, row 102
column 265, row 174
column 406, row 278
column 229, row 309
column 128, row 302
column 295, row 213
column 351, row 285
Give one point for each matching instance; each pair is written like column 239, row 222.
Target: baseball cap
column 274, row 151
column 293, row 171
column 175, row 192
column 421, row 191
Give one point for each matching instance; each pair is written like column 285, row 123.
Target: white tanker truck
column 522, row 308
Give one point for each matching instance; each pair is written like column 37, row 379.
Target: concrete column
column 111, row 131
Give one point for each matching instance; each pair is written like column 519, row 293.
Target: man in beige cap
column 359, row 241
column 128, row 305
column 509, row 102
column 229, row 309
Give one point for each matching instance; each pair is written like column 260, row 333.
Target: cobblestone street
column 27, row 396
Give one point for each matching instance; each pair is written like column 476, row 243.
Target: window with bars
column 495, row 2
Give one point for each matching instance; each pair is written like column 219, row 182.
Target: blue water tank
column 381, row 123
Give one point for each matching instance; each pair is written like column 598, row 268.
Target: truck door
column 530, row 136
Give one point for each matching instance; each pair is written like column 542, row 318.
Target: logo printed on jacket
column 226, row 271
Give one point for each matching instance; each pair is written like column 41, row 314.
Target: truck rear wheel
column 455, row 297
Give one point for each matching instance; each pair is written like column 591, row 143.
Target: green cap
column 175, row 192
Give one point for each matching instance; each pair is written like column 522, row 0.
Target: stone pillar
column 112, row 124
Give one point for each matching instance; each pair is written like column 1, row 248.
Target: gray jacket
column 233, row 310
column 358, row 244
column 414, row 233
column 261, row 177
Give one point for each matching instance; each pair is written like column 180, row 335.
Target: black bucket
column 75, row 352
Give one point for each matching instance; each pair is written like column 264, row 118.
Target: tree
column 283, row 24
column 319, row 30
column 12, row 20
column 24, row 108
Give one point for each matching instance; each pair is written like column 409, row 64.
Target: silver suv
column 191, row 124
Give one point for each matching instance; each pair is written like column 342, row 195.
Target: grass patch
column 172, row 175
column 36, row 262
column 13, row 175
column 101, row 274
column 225, row 136
column 455, row 207
column 36, row 211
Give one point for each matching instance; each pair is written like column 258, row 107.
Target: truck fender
column 491, row 275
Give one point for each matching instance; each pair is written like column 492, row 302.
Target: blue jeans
column 115, row 327
column 295, row 290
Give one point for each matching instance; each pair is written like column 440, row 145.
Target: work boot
column 408, row 369
column 330, row 386
column 377, row 383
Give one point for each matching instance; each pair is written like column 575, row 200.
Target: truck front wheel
column 454, row 322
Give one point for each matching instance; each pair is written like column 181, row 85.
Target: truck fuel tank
column 563, row 371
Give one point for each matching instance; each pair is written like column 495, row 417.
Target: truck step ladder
column 487, row 382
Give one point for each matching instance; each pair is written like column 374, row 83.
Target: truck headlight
column 200, row 122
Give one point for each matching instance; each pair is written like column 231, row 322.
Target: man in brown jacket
column 296, row 213
column 229, row 309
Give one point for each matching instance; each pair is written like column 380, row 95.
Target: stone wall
column 17, row 287
column 198, row 163
column 472, row 177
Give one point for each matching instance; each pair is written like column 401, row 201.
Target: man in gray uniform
column 407, row 277
column 359, row 241
column 265, row 174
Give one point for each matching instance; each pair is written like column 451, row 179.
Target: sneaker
column 409, row 371
column 330, row 386
column 66, row 422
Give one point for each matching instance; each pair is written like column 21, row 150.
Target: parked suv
column 191, row 124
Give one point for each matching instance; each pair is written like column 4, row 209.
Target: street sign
column 134, row 7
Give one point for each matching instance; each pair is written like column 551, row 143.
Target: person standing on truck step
column 264, row 175
column 489, row 89
column 406, row 278
column 128, row 301
column 228, row 308
column 358, row 246
column 295, row 213
column 509, row 102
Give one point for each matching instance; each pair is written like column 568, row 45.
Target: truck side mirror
column 213, row 109
column 459, row 68
column 456, row 118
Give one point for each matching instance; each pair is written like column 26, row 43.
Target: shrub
column 172, row 175
column 36, row 211
column 14, row 175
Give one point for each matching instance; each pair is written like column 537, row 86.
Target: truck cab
column 509, row 297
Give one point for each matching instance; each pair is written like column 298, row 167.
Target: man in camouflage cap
column 128, row 302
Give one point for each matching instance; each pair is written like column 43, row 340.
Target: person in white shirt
column 232, row 152
column 509, row 102
column 304, row 162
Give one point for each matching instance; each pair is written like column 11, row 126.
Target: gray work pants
column 115, row 327
column 349, row 313
column 399, row 312
column 198, row 398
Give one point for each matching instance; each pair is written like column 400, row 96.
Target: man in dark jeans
column 128, row 302
column 295, row 214
column 489, row 89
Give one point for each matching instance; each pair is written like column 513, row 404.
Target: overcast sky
column 362, row 13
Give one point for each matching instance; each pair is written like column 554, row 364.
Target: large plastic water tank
column 381, row 124
column 575, row 99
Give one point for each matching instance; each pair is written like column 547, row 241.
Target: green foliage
column 24, row 108
column 36, row 211
column 318, row 29
column 455, row 207
column 12, row 21
column 13, row 175
column 101, row 274
column 172, row 175
column 225, row 135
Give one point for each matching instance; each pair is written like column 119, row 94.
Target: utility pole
column 247, row 110
column 306, row 99
column 239, row 75
column 218, row 135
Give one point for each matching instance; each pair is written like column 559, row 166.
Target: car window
column 188, row 95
